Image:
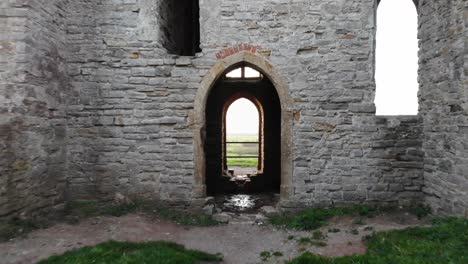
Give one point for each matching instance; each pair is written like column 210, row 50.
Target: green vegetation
column 74, row 211
column 420, row 210
column 445, row 242
column 242, row 138
column 315, row 218
column 265, row 255
column 240, row 150
column 318, row 235
column 125, row 253
column 359, row 221
column 185, row 218
column 17, row 227
column 93, row 208
column 311, row 241
column 90, row 209
column 243, row 163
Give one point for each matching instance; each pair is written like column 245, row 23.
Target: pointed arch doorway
column 215, row 91
column 243, row 162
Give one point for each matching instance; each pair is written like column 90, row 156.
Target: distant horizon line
column 244, row 134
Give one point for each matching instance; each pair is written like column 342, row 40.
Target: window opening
column 180, row 26
column 244, row 72
column 397, row 58
column 242, row 145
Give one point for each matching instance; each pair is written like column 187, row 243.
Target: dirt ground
column 240, row 241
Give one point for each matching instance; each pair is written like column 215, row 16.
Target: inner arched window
column 397, row 58
column 242, row 148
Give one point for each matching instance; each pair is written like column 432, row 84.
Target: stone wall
column 33, row 125
column 130, row 131
column 92, row 93
column 443, row 68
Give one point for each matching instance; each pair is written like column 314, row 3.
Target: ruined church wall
column 325, row 51
column 444, row 86
column 33, row 87
column 131, row 129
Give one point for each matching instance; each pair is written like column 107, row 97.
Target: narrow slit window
column 397, row 58
column 242, row 136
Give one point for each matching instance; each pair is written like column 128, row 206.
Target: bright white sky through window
column 397, row 58
column 242, row 118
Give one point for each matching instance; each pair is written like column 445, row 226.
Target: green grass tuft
column 17, row 227
column 315, row 218
column 185, row 218
column 90, row 209
column 242, row 150
column 265, row 255
column 125, row 253
column 445, row 242
column 420, row 210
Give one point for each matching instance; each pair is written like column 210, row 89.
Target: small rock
column 120, row 199
column 209, row 209
column 222, row 217
column 209, row 200
column 268, row 210
column 260, row 217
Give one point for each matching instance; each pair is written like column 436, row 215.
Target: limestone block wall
column 325, row 50
column 33, row 85
column 95, row 104
column 131, row 129
column 443, row 68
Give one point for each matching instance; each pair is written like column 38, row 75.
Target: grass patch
column 18, row 227
column 420, row 210
column 90, row 209
column 240, row 150
column 265, row 255
column 315, row 218
column 93, row 208
column 125, row 252
column 242, row 138
column 445, row 242
column 311, row 241
column 243, row 163
column 185, row 218
column 74, row 211
column 317, row 235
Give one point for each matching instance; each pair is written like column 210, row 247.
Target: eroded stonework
column 94, row 105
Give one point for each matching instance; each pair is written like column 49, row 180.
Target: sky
column 396, row 68
column 242, row 118
column 397, row 58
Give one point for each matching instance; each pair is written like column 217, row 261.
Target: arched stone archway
column 199, row 119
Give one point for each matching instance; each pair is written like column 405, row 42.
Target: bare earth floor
column 240, row 241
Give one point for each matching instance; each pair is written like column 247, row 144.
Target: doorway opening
column 243, row 134
column 242, row 138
